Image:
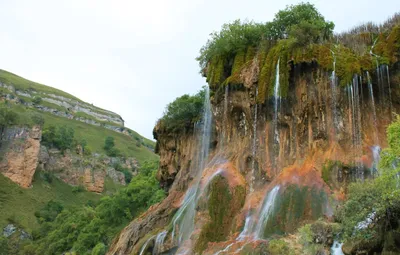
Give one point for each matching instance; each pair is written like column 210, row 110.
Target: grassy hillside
column 131, row 146
column 18, row 204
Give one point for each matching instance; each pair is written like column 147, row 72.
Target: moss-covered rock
column 224, row 203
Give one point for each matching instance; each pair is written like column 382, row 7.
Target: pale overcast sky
column 134, row 57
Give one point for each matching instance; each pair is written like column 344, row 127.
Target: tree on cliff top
column 183, row 112
column 302, row 22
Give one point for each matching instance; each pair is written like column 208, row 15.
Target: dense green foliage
column 18, row 204
column 7, row 117
column 61, row 137
column 89, row 229
column 377, row 199
column 183, row 112
column 296, row 20
column 109, row 147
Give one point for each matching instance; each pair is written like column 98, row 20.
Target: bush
column 89, row 229
column 183, row 112
column 301, row 22
column 7, row 117
column 278, row 247
column 37, row 119
column 49, row 212
column 78, row 189
column 377, row 200
column 61, row 138
column 36, row 100
column 109, row 147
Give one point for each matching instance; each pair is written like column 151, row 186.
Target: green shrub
column 78, row 189
column 60, row 137
column 37, row 119
column 378, row 199
column 7, row 117
column 49, row 212
column 301, row 22
column 183, row 112
column 89, row 229
column 109, row 147
column 278, row 247
column 36, row 100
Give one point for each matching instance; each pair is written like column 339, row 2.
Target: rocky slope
column 278, row 163
column 22, row 154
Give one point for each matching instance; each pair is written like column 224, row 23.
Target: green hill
column 59, row 108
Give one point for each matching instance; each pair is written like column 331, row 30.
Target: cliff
column 290, row 131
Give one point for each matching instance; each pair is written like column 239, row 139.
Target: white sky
column 134, row 57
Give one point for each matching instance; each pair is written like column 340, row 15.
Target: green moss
column 295, row 205
column 327, row 170
column 223, row 205
column 278, row 247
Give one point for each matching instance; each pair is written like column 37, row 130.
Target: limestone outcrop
column 20, row 148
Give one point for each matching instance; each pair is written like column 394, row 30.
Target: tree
column 7, row 117
column 301, row 15
column 37, row 119
column 61, row 138
column 109, row 143
column 183, row 112
column 36, row 100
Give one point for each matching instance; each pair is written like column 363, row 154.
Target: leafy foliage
column 183, row 112
column 88, row 230
column 378, row 199
column 109, row 147
column 60, row 137
column 301, row 22
column 7, row 117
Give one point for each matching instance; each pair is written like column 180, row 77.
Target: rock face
column 20, row 149
column 89, row 172
column 321, row 137
column 21, row 154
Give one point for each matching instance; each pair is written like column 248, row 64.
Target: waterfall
column 224, row 137
column 145, row 245
column 354, row 107
column 254, row 146
column 371, row 93
column 275, row 120
column 336, row 248
column 266, row 211
column 159, row 242
column 390, row 90
column 184, row 217
column 333, row 91
column 376, row 151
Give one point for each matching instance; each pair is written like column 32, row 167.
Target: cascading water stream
column 184, row 217
column 390, row 90
column 159, row 242
column 266, row 211
column 145, row 245
column 254, row 146
column 336, row 248
column 371, row 93
column 275, row 120
column 256, row 232
column 333, row 91
column 224, row 137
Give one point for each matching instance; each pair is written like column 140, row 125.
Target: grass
column 18, row 205
column 94, row 135
column 24, row 84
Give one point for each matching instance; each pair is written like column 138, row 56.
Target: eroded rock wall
column 20, row 149
column 321, row 137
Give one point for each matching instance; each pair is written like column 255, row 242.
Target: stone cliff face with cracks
column 273, row 165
